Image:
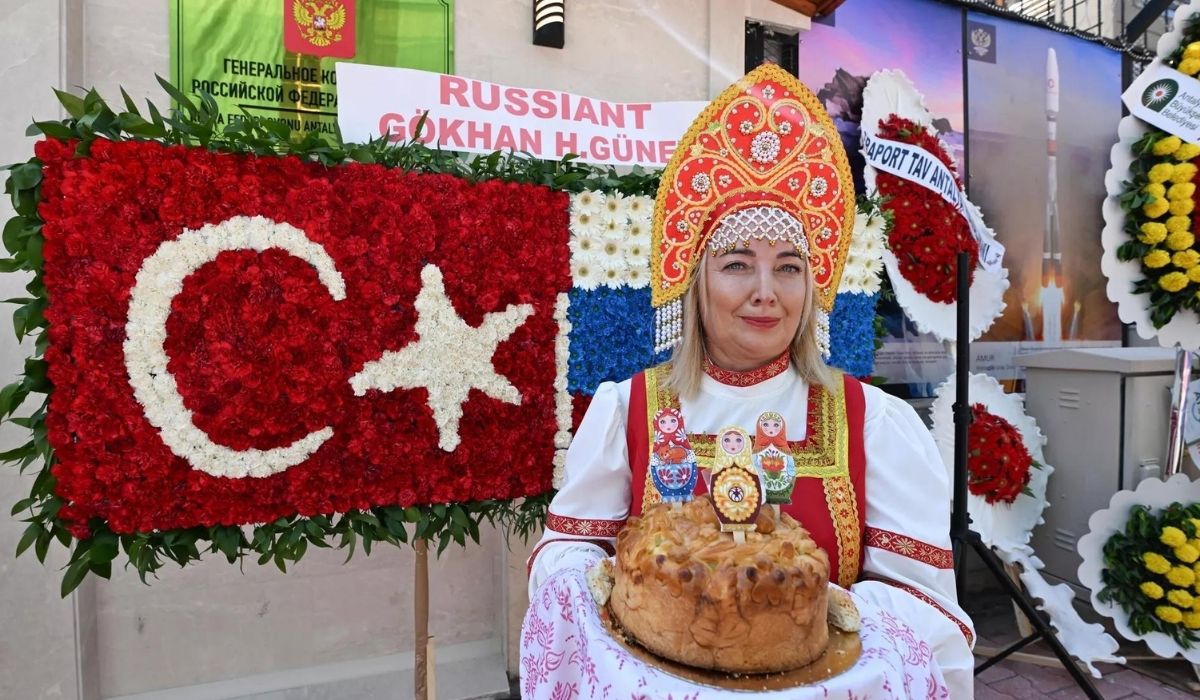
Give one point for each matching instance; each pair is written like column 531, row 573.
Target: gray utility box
column 1105, row 413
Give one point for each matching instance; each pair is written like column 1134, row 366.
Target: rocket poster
column 1045, row 106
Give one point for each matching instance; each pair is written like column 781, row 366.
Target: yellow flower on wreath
column 1193, row 275
column 1156, row 563
column 1192, row 50
column 1181, row 207
column 1180, row 240
column 1152, row 232
column 1156, row 208
column 1156, row 258
column 1187, row 151
column 1189, row 64
column 1172, row 536
column 1152, row 590
column 1173, row 282
column 1181, row 598
column 1182, row 191
column 1161, row 172
column 1181, row 576
column 1184, row 172
column 1169, row 614
column 1191, row 620
column 1178, row 224
column 1156, row 189
column 1186, row 260
column 1167, row 146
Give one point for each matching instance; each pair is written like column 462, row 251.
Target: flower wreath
column 1000, row 420
column 1141, row 561
column 927, row 233
column 1151, row 257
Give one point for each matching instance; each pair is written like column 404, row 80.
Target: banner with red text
column 475, row 116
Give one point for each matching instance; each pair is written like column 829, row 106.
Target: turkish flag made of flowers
column 234, row 339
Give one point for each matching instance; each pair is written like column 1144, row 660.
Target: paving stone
column 1145, row 687
column 996, row 673
column 1019, row 687
column 1045, row 679
column 986, row 692
column 1108, row 690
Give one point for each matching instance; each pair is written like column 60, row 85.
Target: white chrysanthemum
column 613, row 272
column 615, row 208
column 586, row 243
column 872, row 283
column 876, row 226
column 585, row 273
column 611, row 247
column 587, row 202
column 583, row 221
column 873, row 266
column 873, row 246
column 861, row 221
column 635, row 249
column 852, row 281
column 639, row 231
column 638, row 276
column 614, row 229
column 639, row 208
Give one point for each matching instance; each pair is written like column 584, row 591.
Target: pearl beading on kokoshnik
column 754, row 223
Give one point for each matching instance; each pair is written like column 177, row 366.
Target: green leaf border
column 194, row 123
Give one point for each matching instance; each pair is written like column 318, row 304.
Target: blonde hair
column 687, row 361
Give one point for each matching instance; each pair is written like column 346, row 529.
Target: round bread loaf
column 689, row 593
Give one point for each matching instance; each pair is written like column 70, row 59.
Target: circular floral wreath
column 927, row 233
column 1151, row 257
column 1140, row 561
column 1006, row 469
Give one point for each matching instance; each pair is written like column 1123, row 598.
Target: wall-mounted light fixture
column 549, row 23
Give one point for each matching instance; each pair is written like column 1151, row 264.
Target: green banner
column 235, row 51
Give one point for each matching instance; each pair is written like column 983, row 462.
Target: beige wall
column 212, row 622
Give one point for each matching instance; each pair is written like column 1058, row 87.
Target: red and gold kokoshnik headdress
column 763, row 160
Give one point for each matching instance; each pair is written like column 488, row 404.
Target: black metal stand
column 962, row 537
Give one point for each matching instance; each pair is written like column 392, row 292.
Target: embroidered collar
column 772, row 369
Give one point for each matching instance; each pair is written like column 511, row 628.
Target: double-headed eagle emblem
column 320, row 22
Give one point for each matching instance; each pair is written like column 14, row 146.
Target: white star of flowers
column 449, row 358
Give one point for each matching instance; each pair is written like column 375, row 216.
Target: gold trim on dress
column 823, row 454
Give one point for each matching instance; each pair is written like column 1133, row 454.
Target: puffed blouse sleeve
column 908, row 566
column 593, row 502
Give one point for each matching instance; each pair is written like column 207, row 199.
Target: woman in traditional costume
column 751, row 229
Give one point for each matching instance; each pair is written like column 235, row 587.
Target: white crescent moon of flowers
column 159, row 281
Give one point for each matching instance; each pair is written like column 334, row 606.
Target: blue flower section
column 612, row 337
column 852, row 334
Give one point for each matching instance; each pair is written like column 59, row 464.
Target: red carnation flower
column 998, row 464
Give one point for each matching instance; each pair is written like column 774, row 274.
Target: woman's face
column 668, row 424
column 770, row 427
column 754, row 299
column 733, row 443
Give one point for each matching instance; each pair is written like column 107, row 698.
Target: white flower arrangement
column 562, row 397
column 158, row 282
column 864, row 262
column 442, row 333
column 610, row 240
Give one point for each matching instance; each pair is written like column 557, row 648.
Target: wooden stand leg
column 423, row 678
